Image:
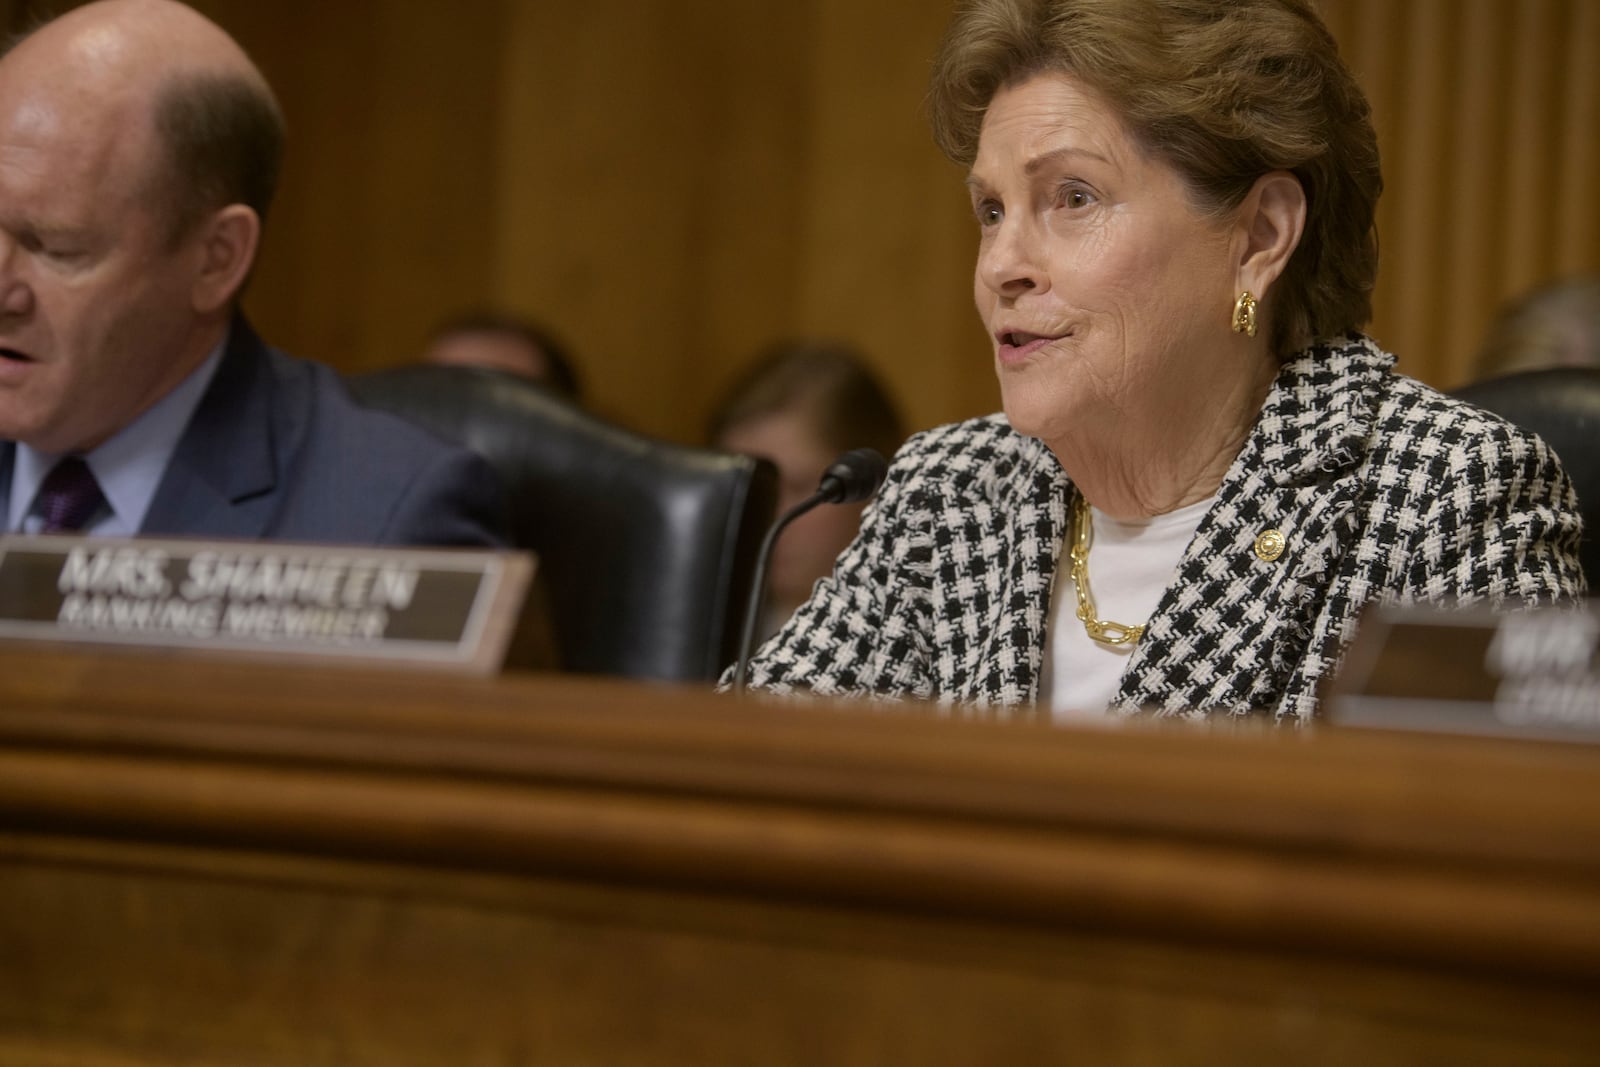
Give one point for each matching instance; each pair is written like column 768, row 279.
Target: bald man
column 139, row 149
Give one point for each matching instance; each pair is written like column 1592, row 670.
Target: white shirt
column 1130, row 566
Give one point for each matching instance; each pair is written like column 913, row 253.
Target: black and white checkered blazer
column 1382, row 487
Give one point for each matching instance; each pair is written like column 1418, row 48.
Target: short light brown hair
column 828, row 384
column 1223, row 91
column 220, row 141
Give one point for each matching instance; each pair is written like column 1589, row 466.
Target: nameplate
column 1516, row 674
column 443, row 608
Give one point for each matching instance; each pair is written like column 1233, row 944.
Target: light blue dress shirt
column 128, row 466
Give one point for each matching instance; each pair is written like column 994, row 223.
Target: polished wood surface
column 210, row 862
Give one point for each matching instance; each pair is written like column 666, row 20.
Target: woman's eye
column 988, row 213
column 1075, row 196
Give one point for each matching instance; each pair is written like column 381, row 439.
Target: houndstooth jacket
column 1383, row 488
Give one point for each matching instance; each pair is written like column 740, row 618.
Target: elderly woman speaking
column 1203, row 471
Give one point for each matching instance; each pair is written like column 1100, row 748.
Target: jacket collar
column 8, row 455
column 227, row 454
column 1319, row 412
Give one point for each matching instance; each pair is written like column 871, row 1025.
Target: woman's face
column 1108, row 298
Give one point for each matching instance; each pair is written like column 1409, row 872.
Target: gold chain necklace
column 1105, row 632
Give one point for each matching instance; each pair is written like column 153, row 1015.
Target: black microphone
column 854, row 476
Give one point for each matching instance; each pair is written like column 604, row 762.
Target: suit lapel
column 222, row 475
column 1016, row 534
column 8, row 457
column 1238, row 620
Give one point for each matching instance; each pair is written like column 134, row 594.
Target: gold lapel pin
column 1270, row 545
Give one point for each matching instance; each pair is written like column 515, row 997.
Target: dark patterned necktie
column 69, row 497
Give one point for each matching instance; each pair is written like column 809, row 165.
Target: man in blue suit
column 139, row 150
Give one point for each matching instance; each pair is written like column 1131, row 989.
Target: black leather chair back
column 647, row 549
column 1561, row 405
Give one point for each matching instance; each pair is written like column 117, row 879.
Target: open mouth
column 1022, row 339
column 13, row 355
column 1017, row 345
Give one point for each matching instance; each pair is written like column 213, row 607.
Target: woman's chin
column 1032, row 415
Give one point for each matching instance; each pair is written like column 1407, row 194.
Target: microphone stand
column 758, row 596
column 854, row 476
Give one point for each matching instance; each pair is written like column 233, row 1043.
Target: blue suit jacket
column 277, row 450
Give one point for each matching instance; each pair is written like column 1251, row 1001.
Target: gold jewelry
column 1244, row 314
column 1270, row 545
column 1105, row 632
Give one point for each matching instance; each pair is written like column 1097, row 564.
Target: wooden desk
column 213, row 863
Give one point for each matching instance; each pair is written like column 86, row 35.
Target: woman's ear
column 1271, row 221
column 227, row 251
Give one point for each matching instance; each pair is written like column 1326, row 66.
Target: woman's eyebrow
column 1044, row 161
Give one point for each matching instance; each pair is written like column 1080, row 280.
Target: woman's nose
column 1008, row 260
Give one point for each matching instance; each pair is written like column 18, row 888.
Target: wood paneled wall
column 1488, row 118
column 670, row 185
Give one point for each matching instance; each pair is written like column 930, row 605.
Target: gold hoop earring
column 1244, row 314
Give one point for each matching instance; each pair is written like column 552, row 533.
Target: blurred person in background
column 506, row 343
column 1553, row 325
column 801, row 404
